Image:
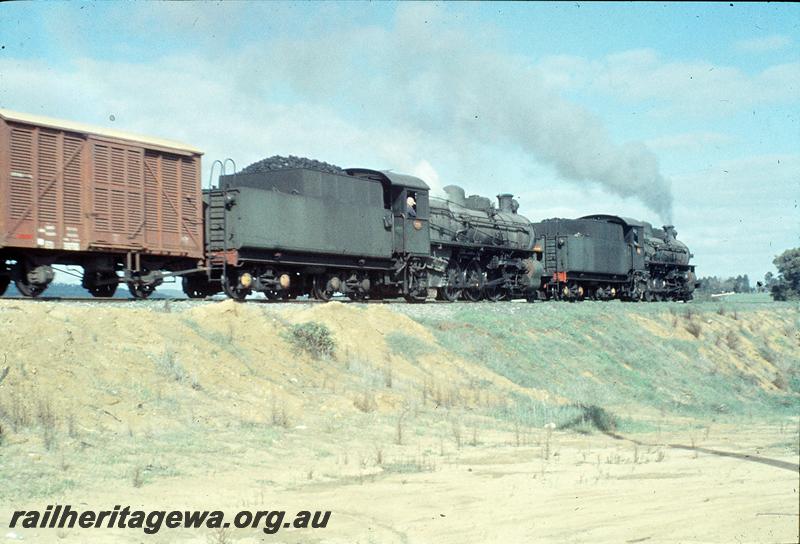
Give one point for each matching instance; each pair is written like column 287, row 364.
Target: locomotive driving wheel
column 417, row 290
column 474, row 279
column 455, row 278
column 497, row 291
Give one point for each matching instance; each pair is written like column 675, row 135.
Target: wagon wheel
column 100, row 284
column 455, row 276
column 29, row 289
column 195, row 288
column 24, row 285
column 140, row 290
column 474, row 278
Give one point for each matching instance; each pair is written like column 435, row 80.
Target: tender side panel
column 266, row 220
column 583, row 246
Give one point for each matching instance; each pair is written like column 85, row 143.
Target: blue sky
column 667, row 112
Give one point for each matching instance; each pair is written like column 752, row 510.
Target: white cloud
column 698, row 88
column 766, row 44
column 739, row 214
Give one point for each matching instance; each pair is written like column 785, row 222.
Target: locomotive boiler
column 489, row 251
column 670, row 276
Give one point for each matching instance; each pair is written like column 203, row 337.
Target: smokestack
column 506, row 202
column 456, row 194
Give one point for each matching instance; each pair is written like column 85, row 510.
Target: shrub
column 312, row 338
column 592, row 416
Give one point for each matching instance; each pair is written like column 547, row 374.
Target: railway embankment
column 164, row 389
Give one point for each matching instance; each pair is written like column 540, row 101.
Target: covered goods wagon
column 124, row 207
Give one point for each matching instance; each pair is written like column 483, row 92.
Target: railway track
column 118, row 300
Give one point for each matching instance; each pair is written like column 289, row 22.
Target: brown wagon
column 126, row 208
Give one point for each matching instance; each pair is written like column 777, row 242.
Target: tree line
column 783, row 286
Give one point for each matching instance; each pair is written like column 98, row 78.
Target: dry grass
column 694, row 328
column 137, row 479
column 732, row 340
column 457, row 431
column 398, row 437
column 279, row 414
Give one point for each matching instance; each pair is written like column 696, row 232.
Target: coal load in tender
column 277, row 162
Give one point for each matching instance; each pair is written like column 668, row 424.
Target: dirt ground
column 592, row 489
column 208, row 407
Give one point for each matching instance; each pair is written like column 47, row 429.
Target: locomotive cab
column 634, row 237
column 411, row 230
column 411, row 225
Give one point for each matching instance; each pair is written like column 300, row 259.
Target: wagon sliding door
column 172, row 218
column 118, row 199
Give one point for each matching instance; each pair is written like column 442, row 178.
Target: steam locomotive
column 130, row 210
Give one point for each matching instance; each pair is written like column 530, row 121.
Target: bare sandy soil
column 592, row 489
column 209, row 407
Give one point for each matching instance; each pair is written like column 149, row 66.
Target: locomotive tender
column 129, row 210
